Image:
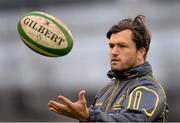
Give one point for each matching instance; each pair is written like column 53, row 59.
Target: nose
column 114, row 51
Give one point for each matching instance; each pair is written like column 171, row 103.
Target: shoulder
column 147, row 94
column 149, row 84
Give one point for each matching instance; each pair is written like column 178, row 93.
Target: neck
column 140, row 62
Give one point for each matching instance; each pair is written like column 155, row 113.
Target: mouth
column 115, row 60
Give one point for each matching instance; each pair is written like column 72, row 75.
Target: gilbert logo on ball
column 45, row 34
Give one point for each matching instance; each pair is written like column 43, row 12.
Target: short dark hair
column 140, row 33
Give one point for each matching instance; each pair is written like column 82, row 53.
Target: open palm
column 77, row 110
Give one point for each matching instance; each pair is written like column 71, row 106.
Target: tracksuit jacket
column 134, row 96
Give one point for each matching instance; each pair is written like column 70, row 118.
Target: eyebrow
column 121, row 43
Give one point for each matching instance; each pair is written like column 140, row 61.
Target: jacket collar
column 141, row 70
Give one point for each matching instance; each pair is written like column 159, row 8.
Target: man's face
column 123, row 51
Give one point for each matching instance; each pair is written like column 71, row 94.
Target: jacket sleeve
column 142, row 104
column 126, row 116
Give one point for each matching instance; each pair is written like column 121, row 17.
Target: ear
column 141, row 53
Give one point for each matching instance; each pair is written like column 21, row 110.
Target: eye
column 111, row 45
column 122, row 46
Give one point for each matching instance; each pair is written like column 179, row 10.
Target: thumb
column 81, row 96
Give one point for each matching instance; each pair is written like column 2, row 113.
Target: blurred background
column 28, row 80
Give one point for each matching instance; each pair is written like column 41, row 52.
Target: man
column 133, row 94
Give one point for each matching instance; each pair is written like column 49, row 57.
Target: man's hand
column 77, row 110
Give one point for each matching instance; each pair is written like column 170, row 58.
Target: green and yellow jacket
column 134, row 96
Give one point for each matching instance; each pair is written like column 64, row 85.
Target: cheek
column 130, row 55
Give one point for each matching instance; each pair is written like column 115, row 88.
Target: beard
column 120, row 66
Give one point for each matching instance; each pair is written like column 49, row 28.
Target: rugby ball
column 45, row 34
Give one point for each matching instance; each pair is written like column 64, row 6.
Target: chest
column 114, row 98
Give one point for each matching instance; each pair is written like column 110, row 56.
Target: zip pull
column 113, row 79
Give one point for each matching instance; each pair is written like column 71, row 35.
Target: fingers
column 81, row 93
column 77, row 110
column 53, row 110
column 68, row 105
column 81, row 96
column 56, row 107
column 66, row 101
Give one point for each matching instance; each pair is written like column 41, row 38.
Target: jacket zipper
column 112, row 95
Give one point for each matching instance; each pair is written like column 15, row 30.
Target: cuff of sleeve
column 92, row 115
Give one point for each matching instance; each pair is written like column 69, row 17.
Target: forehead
column 123, row 36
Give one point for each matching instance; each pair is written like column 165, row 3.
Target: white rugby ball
column 45, row 34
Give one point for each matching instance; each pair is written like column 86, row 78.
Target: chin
column 116, row 66
column 116, row 69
